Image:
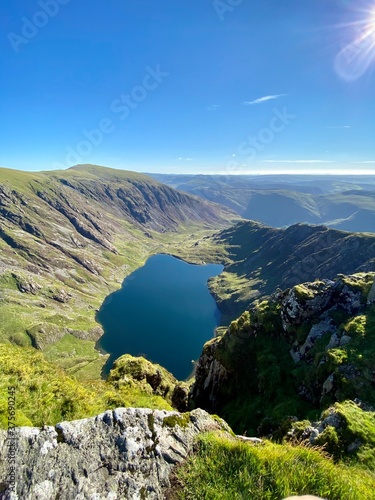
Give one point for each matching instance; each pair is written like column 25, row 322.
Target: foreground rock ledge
column 127, row 453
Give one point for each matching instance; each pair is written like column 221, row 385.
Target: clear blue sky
column 188, row 85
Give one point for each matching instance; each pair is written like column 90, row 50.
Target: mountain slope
column 68, row 239
column 264, row 258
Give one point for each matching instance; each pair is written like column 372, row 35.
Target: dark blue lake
column 164, row 312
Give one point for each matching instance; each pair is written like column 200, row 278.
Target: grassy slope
column 226, row 469
column 45, row 394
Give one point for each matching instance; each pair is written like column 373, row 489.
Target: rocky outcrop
column 343, row 429
column 312, row 341
column 151, row 377
column 125, row 453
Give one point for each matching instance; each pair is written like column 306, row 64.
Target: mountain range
column 341, row 202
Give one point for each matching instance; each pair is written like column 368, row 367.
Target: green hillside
column 292, row 355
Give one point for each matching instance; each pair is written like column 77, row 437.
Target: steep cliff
column 293, row 354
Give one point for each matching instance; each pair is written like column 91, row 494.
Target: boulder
column 124, row 453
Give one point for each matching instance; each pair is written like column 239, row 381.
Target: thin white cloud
column 339, row 127
column 213, row 107
column 368, row 162
column 297, row 161
column 263, row 99
column 180, row 158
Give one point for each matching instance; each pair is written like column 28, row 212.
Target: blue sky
column 224, row 86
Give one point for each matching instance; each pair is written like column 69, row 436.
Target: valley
column 68, row 239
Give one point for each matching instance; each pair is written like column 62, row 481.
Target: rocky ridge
column 124, row 453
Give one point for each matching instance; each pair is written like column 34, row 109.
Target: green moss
column 151, row 377
column 181, row 420
column 303, row 292
column 329, row 441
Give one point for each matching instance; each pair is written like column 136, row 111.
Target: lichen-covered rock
column 124, row 453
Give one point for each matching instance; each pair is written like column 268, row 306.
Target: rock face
column 125, row 453
column 311, row 343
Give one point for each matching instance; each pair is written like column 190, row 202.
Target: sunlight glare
column 355, row 58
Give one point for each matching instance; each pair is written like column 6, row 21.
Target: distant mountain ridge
column 264, row 258
column 342, row 202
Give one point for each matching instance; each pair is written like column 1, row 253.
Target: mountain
column 262, row 259
column 68, row 238
column 342, row 202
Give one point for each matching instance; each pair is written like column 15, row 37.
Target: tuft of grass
column 226, row 469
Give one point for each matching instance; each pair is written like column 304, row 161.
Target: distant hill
column 342, row 202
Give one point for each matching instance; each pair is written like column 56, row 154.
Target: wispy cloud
column 368, row 162
column 339, row 126
column 213, row 107
column 297, row 161
column 264, row 99
column 185, row 159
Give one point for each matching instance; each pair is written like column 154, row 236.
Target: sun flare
column 358, row 55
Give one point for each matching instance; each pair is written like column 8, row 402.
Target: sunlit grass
column 46, row 394
column 227, row 469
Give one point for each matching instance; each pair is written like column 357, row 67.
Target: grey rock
column 125, row 453
column 354, row 446
column 328, row 384
column 345, row 339
column 316, row 332
column 371, row 295
column 333, row 342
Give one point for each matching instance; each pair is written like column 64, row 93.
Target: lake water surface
column 164, row 312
